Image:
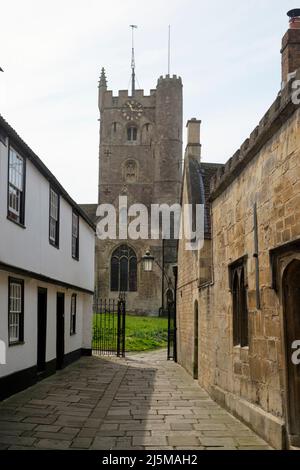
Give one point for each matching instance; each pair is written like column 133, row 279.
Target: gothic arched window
column 236, row 316
column 239, row 298
column 123, row 270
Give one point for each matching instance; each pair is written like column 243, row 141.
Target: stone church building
column 238, row 301
column 140, row 157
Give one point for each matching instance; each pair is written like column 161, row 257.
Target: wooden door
column 291, row 293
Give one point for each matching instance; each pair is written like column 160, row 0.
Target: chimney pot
column 294, row 13
column 294, row 16
column 291, row 47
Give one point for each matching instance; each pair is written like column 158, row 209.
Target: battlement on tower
column 169, row 79
column 111, row 100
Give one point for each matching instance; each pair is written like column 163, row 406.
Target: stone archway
column 291, row 310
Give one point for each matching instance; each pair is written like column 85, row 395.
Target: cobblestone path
column 141, row 402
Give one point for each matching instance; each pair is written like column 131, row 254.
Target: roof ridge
column 42, row 168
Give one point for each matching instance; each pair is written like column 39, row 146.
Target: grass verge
column 142, row 333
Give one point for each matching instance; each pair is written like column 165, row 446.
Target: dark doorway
column 60, row 330
column 291, row 294
column 41, row 329
column 196, row 339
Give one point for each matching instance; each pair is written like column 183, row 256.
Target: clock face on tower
column 132, row 110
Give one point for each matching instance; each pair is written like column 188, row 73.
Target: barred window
column 73, row 314
column 16, row 183
column 16, row 311
column 123, row 270
column 75, row 236
column 54, row 218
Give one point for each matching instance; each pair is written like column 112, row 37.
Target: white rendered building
column 46, row 269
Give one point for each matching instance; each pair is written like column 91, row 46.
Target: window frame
column 55, row 242
column 132, row 133
column 20, row 340
column 238, row 284
column 73, row 315
column 75, row 255
column 16, row 217
column 235, row 310
column 117, row 259
column 3, row 138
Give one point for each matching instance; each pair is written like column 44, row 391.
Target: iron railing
column 109, row 324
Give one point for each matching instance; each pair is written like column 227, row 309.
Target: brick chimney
column 193, row 147
column 291, row 47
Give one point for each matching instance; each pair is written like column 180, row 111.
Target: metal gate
column 109, row 324
column 172, row 352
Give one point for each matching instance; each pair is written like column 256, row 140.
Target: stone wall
column 194, row 270
column 187, row 293
column 250, row 381
column 262, row 178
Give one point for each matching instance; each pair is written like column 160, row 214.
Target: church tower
column 140, row 157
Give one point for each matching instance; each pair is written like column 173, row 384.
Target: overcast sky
column 227, row 53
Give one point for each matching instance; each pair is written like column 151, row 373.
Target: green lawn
column 142, row 333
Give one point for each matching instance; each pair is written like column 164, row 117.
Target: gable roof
column 198, row 180
column 18, row 142
column 90, row 210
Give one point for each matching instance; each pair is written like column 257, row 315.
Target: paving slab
column 105, row 403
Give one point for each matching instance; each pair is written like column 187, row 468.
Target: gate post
column 119, row 329
column 123, row 309
column 172, row 327
column 121, row 325
column 175, row 272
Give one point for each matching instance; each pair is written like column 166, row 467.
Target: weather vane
column 169, row 49
column 133, row 27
